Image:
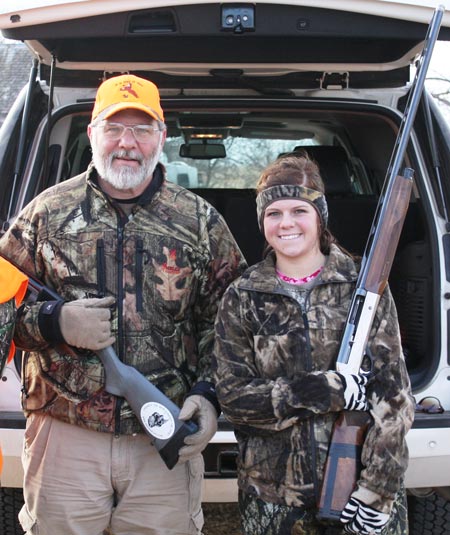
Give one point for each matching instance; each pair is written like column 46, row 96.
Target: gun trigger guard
column 371, row 358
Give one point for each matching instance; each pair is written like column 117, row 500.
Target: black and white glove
column 362, row 519
column 355, row 391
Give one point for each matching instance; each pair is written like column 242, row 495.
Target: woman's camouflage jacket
column 271, row 360
column 168, row 264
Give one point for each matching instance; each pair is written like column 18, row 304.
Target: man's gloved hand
column 362, row 519
column 86, row 323
column 204, row 414
column 355, row 391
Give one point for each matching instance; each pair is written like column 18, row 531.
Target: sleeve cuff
column 48, row 321
column 208, row 391
column 375, row 500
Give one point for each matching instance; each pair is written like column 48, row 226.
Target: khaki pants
column 80, row 482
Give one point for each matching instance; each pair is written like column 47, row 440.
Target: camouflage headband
column 287, row 191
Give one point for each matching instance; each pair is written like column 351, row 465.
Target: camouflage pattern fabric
column 272, row 362
column 263, row 518
column 7, row 318
column 289, row 191
column 167, row 265
column 13, row 287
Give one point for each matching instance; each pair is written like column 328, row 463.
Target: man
column 141, row 264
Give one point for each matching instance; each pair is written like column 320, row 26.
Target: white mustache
column 129, row 154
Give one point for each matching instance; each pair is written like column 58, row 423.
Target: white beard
column 125, row 177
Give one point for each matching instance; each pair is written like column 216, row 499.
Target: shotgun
column 157, row 414
column 343, row 463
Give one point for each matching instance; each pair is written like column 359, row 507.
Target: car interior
column 233, row 141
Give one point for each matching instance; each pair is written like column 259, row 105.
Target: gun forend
column 387, row 228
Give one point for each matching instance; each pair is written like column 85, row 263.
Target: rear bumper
column 429, row 451
column 428, row 444
column 11, row 443
column 429, row 457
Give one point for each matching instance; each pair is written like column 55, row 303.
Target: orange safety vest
column 13, row 284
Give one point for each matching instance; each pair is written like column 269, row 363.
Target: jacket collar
column 262, row 277
column 147, row 195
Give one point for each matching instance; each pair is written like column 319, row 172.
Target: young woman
column 278, row 332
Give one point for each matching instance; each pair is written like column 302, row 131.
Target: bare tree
column 443, row 96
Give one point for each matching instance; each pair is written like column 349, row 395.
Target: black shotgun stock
column 157, row 414
column 343, row 463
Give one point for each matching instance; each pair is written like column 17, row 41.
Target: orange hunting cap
column 126, row 92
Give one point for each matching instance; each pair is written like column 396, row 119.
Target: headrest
column 335, row 167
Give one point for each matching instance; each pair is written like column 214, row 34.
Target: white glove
column 203, row 412
column 362, row 519
column 86, row 323
column 355, row 391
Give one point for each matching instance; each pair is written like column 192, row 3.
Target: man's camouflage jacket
column 167, row 265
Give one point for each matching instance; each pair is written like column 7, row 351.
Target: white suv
column 241, row 84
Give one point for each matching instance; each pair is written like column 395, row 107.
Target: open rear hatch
column 300, row 45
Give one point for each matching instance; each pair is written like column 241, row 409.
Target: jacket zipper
column 120, row 329
column 138, row 274
column 309, row 369
column 101, row 268
column 312, row 420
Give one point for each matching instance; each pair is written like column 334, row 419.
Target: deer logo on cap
column 128, row 87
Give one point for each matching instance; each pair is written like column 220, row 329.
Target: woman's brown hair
column 293, row 170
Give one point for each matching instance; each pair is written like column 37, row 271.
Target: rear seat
column 336, row 169
column 238, row 207
column 351, row 214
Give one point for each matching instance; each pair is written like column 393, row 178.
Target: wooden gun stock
column 343, row 463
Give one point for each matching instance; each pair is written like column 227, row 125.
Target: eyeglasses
column 143, row 133
column 429, row 405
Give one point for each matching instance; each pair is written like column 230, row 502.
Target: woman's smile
column 289, row 236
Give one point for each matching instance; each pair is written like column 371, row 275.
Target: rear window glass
column 240, row 168
column 242, row 157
